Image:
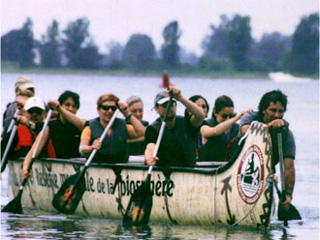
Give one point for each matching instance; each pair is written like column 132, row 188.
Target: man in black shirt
column 177, row 148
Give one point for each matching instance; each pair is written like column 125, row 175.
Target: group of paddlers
column 186, row 139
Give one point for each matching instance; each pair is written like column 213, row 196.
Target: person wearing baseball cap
column 29, row 125
column 177, row 147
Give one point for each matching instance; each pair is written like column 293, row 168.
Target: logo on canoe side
column 250, row 175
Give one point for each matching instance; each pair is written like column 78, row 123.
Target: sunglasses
column 107, row 107
column 35, row 110
column 231, row 115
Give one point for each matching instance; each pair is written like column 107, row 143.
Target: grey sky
column 118, row 19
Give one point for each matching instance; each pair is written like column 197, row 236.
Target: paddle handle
column 4, row 157
column 13, row 120
column 34, row 154
column 281, row 162
column 105, row 131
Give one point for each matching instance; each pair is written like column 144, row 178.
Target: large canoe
column 237, row 193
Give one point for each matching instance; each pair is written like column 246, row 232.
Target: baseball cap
column 34, row 102
column 24, row 83
column 161, row 98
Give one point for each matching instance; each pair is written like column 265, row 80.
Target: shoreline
column 8, row 69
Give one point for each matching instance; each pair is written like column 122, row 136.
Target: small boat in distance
column 239, row 192
column 282, row 77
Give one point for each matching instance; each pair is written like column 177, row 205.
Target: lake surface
column 302, row 113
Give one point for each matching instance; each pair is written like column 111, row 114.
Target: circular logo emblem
column 250, row 175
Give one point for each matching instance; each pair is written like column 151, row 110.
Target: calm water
column 303, row 115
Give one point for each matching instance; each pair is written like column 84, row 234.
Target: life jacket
column 221, row 147
column 26, row 138
column 177, row 147
column 114, row 147
column 65, row 138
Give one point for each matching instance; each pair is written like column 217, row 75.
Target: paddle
column 284, row 214
column 12, row 122
column 15, row 205
column 140, row 204
column 4, row 159
column 69, row 195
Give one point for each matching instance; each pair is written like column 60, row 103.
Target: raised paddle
column 15, row 205
column 140, row 204
column 69, row 195
column 291, row 213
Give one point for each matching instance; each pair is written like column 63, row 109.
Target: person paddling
column 24, row 88
column 220, row 133
column 177, row 147
column 114, row 146
column 272, row 108
column 64, row 131
column 29, row 126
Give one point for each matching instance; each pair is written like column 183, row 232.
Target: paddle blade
column 139, row 207
column 69, row 195
column 286, row 215
column 14, row 206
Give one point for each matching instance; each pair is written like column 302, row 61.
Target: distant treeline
column 228, row 48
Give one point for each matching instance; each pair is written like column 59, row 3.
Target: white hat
column 24, row 83
column 34, row 102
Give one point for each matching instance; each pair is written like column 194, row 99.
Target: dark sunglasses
column 231, row 115
column 35, row 110
column 107, row 107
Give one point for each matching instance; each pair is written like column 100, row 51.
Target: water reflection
column 39, row 225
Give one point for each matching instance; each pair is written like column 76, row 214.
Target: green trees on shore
column 229, row 47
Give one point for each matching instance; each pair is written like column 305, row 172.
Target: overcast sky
column 118, row 19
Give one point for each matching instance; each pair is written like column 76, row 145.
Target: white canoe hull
column 200, row 196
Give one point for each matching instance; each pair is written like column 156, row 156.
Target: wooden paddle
column 139, row 208
column 69, row 195
column 284, row 214
column 15, row 205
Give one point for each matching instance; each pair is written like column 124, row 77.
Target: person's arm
column 151, row 137
column 207, row 131
column 66, row 115
column 245, row 122
column 137, row 130
column 290, row 176
column 28, row 157
column 197, row 113
column 85, row 147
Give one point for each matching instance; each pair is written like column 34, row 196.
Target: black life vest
column 177, row 148
column 65, row 139
column 114, row 147
column 221, row 147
